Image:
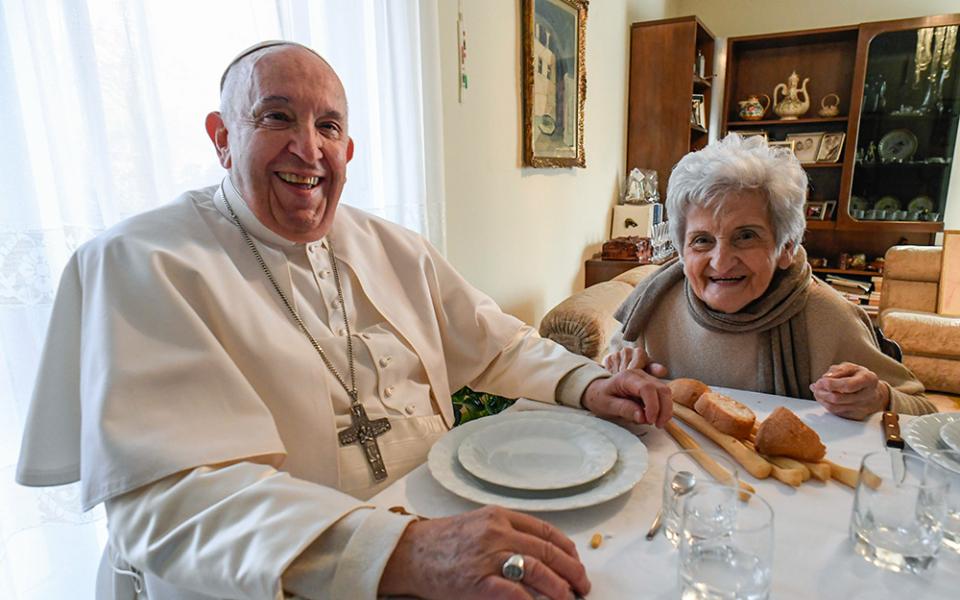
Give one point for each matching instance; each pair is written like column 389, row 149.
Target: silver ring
column 513, row 567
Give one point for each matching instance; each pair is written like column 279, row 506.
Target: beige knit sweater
column 837, row 332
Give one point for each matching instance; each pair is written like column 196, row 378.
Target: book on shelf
column 849, row 283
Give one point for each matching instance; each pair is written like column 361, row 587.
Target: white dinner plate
column 537, row 454
column 923, row 433
column 950, row 434
column 629, row 468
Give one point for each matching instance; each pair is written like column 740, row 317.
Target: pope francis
column 234, row 373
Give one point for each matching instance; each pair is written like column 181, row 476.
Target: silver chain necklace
column 362, row 429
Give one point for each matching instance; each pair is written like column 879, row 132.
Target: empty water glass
column 684, row 461
column 726, row 545
column 898, row 509
column 950, row 461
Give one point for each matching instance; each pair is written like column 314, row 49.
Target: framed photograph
column 554, row 82
column 698, row 112
column 806, row 145
column 789, row 145
column 828, row 207
column 753, row 132
column 816, row 211
column 830, row 147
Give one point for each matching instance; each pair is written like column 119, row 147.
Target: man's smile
column 304, row 183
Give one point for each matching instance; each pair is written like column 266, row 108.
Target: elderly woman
column 740, row 308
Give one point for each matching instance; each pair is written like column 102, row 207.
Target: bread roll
column 784, row 434
column 686, row 391
column 726, row 414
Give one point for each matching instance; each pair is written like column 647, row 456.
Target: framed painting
column 554, row 82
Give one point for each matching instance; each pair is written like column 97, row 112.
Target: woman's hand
column 851, row 391
column 632, row 394
column 630, row 357
column 462, row 556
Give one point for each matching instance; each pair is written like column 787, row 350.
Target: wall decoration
column 554, row 82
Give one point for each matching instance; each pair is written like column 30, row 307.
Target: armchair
column 908, row 314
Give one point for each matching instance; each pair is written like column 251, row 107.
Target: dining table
column 813, row 553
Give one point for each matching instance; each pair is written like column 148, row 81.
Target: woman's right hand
column 631, row 357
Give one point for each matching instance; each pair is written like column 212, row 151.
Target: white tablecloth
column 813, row 557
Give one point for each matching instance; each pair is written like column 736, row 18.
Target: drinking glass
column 726, row 545
column 684, row 461
column 898, row 509
column 950, row 461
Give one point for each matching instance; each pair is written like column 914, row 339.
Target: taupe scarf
column 777, row 315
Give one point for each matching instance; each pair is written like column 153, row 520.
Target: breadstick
column 751, row 461
column 819, row 470
column 792, row 477
column 785, row 462
column 710, row 465
column 847, row 477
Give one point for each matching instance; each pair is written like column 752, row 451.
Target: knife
column 894, row 443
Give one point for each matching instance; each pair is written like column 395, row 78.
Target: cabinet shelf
column 835, row 271
column 787, row 122
column 659, row 93
column 822, row 165
column 701, row 82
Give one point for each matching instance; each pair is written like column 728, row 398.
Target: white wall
column 521, row 235
column 729, row 18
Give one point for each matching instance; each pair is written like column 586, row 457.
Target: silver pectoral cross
column 365, row 431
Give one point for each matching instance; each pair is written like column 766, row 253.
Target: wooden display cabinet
column 841, row 60
column 663, row 80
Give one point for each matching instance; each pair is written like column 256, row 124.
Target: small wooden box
column 632, row 248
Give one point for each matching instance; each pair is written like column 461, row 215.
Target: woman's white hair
column 736, row 164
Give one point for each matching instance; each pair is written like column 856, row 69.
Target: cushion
column 937, row 374
column 908, row 295
column 584, row 323
column 637, row 274
column 923, row 334
column 913, row 263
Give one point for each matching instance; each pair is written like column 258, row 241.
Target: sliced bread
column 726, row 414
column 686, row 391
column 784, row 434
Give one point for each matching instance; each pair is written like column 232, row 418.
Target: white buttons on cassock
column 335, row 304
column 341, row 332
column 384, row 361
column 323, row 273
column 410, row 409
column 388, row 391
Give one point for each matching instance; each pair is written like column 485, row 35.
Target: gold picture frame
column 554, row 82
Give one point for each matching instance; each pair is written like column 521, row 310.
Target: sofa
column 908, row 314
column 584, row 323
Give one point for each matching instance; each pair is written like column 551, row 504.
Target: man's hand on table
column 851, row 391
column 461, row 557
column 634, row 393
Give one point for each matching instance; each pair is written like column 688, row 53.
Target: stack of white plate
column 538, row 460
column 931, row 433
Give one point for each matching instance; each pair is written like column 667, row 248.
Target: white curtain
column 104, row 103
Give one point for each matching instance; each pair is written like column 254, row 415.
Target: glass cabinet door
column 908, row 126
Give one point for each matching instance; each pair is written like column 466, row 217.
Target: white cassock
column 176, row 387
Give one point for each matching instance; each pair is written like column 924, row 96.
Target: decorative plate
column 897, row 145
column 887, row 203
column 626, row 472
column 858, row 203
column 923, row 433
column 545, row 454
column 950, row 435
column 921, row 204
